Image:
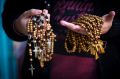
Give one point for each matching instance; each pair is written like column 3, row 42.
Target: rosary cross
column 31, row 69
column 37, row 50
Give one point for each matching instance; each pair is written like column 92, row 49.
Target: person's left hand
column 107, row 19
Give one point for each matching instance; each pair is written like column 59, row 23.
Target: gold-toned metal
column 40, row 39
column 89, row 43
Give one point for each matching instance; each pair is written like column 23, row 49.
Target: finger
column 69, row 25
column 73, row 27
column 109, row 16
column 45, row 11
column 48, row 17
column 32, row 12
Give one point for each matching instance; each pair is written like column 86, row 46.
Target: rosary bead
column 37, row 39
column 89, row 42
column 31, row 59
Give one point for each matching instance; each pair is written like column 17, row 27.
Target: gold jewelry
column 40, row 39
column 90, row 42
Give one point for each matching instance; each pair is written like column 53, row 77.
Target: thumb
column 110, row 16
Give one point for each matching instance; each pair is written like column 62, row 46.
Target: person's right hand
column 21, row 21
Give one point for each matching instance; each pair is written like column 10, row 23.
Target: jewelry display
column 40, row 40
column 90, row 42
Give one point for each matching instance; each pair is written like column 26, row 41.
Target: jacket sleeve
column 10, row 13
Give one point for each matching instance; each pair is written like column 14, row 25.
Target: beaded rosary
column 90, row 42
column 40, row 40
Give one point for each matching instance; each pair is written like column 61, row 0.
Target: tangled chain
column 90, row 42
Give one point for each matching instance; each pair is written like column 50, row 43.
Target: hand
column 21, row 21
column 107, row 19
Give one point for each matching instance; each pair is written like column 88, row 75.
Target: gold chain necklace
column 90, row 42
